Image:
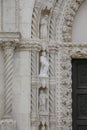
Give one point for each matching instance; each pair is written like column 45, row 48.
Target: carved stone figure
column 43, row 102
column 44, row 65
column 44, row 28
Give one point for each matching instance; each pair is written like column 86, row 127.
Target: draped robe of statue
column 44, row 28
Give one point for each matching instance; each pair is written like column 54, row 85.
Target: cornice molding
column 10, row 36
column 32, row 44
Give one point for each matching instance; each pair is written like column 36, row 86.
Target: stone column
column 34, row 87
column 52, row 27
column 52, row 85
column 8, row 64
column 35, row 20
column 7, row 123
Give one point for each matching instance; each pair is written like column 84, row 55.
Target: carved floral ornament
column 69, row 19
column 67, row 53
column 10, row 44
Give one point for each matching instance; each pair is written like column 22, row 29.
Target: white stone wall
column 79, row 32
column 15, row 16
column 21, row 90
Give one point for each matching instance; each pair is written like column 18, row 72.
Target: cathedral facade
column 43, row 67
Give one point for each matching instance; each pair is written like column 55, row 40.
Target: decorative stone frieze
column 66, row 54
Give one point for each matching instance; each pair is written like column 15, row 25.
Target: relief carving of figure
column 44, row 65
column 43, row 102
column 44, row 28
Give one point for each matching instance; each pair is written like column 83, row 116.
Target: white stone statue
column 44, row 65
column 44, row 28
column 43, row 102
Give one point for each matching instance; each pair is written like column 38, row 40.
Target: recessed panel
column 82, row 76
column 82, row 127
column 82, row 106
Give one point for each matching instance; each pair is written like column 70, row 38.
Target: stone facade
column 36, row 52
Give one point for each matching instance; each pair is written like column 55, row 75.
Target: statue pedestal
column 43, row 80
column 7, row 124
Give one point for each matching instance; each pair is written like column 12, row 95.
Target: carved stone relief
column 67, row 52
column 60, row 27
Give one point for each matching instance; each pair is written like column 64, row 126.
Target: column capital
column 8, row 44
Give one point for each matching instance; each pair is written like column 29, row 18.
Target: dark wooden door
column 79, row 94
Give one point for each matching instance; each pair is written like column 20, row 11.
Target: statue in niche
column 44, row 65
column 44, row 27
column 43, row 102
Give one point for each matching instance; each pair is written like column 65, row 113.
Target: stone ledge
column 10, row 36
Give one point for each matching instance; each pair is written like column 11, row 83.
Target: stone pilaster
column 35, row 82
column 24, row 76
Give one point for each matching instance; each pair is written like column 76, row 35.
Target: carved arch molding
column 60, row 52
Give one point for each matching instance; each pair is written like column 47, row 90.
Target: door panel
column 79, row 94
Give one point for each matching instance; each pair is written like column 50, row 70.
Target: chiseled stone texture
column 25, row 16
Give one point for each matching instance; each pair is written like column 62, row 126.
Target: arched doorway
column 67, row 50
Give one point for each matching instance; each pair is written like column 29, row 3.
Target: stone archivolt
column 60, row 39
column 60, row 19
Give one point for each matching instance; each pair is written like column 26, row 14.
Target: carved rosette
column 8, row 48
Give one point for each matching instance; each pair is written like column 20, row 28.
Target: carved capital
column 9, row 45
